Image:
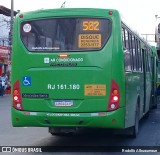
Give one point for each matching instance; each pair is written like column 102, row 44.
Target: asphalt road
column 149, row 133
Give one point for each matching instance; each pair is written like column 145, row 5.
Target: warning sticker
column 89, row 40
column 95, row 90
column 27, row 27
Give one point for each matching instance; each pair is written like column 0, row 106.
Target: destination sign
column 89, row 41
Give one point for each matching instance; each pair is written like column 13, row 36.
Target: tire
column 146, row 116
column 134, row 129
column 155, row 106
column 62, row 131
column 154, row 99
column 55, row 131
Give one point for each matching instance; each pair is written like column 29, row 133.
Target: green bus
column 80, row 68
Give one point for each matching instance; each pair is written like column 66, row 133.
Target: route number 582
column 90, row 25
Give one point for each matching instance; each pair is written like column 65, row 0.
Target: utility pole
column 156, row 16
column 11, row 26
column 12, row 15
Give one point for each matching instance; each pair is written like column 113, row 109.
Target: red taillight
column 114, row 99
column 110, row 13
column 21, row 16
column 17, row 99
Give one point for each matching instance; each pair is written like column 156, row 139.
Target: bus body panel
column 68, row 84
column 61, row 83
column 113, row 119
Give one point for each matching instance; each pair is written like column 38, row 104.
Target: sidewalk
column 5, row 96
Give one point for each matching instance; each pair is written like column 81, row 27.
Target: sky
column 138, row 14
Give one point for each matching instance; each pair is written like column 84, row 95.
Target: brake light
column 17, row 99
column 63, row 55
column 114, row 99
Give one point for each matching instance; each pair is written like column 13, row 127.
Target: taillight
column 17, row 99
column 114, row 99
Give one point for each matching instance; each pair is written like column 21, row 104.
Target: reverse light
column 17, row 99
column 114, row 99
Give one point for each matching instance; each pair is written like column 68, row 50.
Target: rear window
column 65, row 34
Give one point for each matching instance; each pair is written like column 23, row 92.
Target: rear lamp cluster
column 114, row 99
column 17, row 99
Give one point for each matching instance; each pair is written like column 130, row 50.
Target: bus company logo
column 46, row 60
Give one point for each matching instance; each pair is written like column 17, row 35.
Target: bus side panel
column 134, row 96
column 118, row 62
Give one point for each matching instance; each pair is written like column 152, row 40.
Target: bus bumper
column 114, row 119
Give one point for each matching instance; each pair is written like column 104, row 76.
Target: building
column 5, row 63
column 4, row 30
column 5, row 44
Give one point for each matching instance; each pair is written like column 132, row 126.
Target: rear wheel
column 155, row 106
column 134, row 129
column 146, row 116
column 58, row 131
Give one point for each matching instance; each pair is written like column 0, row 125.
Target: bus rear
column 68, row 69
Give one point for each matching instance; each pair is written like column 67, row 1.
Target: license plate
column 63, row 103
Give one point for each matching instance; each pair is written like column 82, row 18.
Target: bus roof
column 69, row 11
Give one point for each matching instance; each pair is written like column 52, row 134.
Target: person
column 8, row 89
column 3, row 84
column 5, row 80
column 1, row 88
column 5, row 77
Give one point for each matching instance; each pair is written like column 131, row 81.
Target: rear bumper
column 114, row 119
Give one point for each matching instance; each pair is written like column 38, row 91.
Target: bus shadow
column 95, row 137
column 90, row 137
